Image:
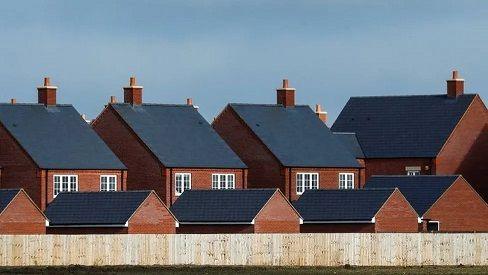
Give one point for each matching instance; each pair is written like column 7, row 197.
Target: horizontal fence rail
column 359, row 249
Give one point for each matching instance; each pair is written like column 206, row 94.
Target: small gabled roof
column 402, row 126
column 94, row 208
column 220, row 206
column 295, row 135
column 178, row 136
column 326, row 205
column 6, row 196
column 56, row 137
column 421, row 191
column 350, row 141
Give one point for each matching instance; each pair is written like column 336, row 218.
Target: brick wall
column 396, row 166
column 152, row 217
column 144, row 170
column 277, row 216
column 19, row 170
column 214, row 229
column 88, row 180
column 337, row 228
column 202, row 178
column 264, row 169
column 328, row 178
column 396, row 215
column 466, row 150
column 22, row 217
column 460, row 209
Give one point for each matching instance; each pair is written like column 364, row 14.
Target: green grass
column 431, row 270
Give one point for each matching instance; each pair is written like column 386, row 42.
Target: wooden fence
column 246, row 249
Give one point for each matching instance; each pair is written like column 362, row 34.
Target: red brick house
column 287, row 146
column 442, row 134
column 167, row 148
column 235, row 211
column 445, row 203
column 47, row 148
column 124, row 212
column 19, row 215
column 359, row 211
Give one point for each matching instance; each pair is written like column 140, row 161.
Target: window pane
column 73, row 184
column 186, row 181
column 215, row 181
column 306, row 181
column 223, row 182
column 342, row 181
column 64, row 184
column 230, row 182
column 112, row 183
column 103, row 184
column 57, row 185
column 299, row 183
column 178, row 184
column 314, row 181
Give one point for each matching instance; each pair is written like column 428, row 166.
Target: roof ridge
column 264, row 104
column 155, row 104
column 35, row 104
column 407, row 95
column 101, row 192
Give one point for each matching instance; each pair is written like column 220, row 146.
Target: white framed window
column 223, row 181
column 306, row 181
column 413, row 173
column 433, row 226
column 108, row 183
column 182, row 183
column 346, row 180
column 65, row 183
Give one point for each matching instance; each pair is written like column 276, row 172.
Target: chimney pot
column 455, row 86
column 133, row 93
column 285, row 95
column 46, row 94
column 113, row 99
column 189, row 101
column 13, row 101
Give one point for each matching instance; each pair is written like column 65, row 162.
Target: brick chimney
column 320, row 113
column 47, row 94
column 285, row 95
column 13, row 101
column 133, row 93
column 113, row 99
column 189, row 101
column 455, row 86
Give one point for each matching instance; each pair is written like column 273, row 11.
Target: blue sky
column 238, row 51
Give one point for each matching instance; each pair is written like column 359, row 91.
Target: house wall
column 202, row 178
column 22, row 217
column 152, row 217
column 460, row 209
column 466, row 150
column 215, row 229
column 144, row 170
column 396, row 215
column 396, row 166
column 328, row 178
column 277, row 216
column 88, row 180
column 19, row 170
column 265, row 171
column 337, row 228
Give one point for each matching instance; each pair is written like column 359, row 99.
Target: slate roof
column 178, row 136
column 6, row 196
column 326, row 205
column 402, row 126
column 56, row 137
column 421, row 191
column 222, row 206
column 295, row 135
column 94, row 208
column 351, row 141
